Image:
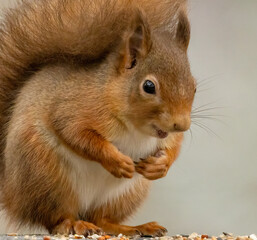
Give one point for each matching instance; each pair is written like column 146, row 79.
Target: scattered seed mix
column 193, row 236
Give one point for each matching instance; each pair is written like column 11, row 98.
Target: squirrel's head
column 154, row 88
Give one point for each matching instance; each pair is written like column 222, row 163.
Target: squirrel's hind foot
column 151, row 228
column 76, row 227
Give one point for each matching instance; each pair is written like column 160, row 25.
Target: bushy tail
column 41, row 31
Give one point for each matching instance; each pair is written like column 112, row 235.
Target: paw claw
column 77, row 227
column 138, row 232
column 152, row 229
column 122, row 167
column 159, row 154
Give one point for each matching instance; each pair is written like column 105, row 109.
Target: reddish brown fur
column 83, row 51
column 35, row 33
column 41, row 165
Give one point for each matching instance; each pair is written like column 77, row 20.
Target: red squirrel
column 94, row 99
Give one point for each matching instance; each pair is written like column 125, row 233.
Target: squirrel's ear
column 136, row 43
column 183, row 30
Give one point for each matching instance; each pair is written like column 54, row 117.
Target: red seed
column 101, row 238
column 78, row 236
column 204, row 236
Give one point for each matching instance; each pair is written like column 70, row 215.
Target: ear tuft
column 136, row 42
column 183, row 30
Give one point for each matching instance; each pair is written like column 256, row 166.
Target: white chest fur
column 93, row 184
column 136, row 145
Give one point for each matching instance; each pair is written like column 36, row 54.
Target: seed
column 101, row 238
column 227, row 234
column 253, row 236
column 193, row 235
column 78, row 236
column 204, row 236
column 12, row 234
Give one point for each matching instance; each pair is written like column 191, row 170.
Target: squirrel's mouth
column 160, row 133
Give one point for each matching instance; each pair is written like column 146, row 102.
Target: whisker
column 203, row 90
column 207, row 109
column 203, row 113
column 209, row 118
column 205, row 81
column 191, row 135
column 207, row 115
column 207, row 129
column 204, row 105
column 208, row 78
column 207, row 112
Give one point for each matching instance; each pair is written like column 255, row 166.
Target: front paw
column 122, row 166
column 154, row 167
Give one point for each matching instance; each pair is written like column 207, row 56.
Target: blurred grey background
column 212, row 187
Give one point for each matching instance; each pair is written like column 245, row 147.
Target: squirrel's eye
column 149, row 87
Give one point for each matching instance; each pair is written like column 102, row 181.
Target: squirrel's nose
column 181, row 123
